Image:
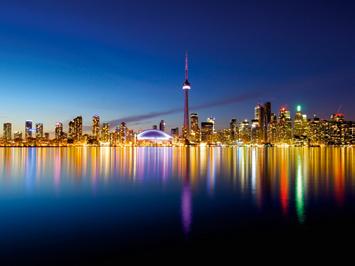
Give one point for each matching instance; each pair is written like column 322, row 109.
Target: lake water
column 100, row 204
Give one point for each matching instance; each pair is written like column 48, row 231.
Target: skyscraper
column 267, row 111
column 186, row 87
column 267, row 107
column 105, row 132
column 123, row 132
column 39, row 130
column 195, row 133
column 212, row 120
column 259, row 114
column 71, row 131
column 28, row 129
column 7, row 131
column 233, row 126
column 207, row 129
column 175, row 132
column 96, row 126
column 78, row 127
column 258, row 124
column 162, row 125
column 58, row 130
column 284, row 131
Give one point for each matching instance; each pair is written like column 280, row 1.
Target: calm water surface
column 104, row 203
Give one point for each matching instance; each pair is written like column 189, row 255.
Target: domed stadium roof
column 153, row 134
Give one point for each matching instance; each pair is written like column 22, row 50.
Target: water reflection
column 284, row 178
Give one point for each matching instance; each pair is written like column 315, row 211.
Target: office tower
column 259, row 115
column 123, row 132
column 39, row 130
column 272, row 129
column 267, row 111
column 71, row 131
column 58, row 130
column 300, row 124
column 175, row 132
column 267, row 121
column 186, row 87
column 195, row 133
column 46, row 136
column 105, row 132
column 7, row 131
column 244, row 131
column 259, row 127
column 78, row 128
column 284, row 130
column 96, row 126
column 207, row 130
column 233, row 128
column 255, row 131
column 28, row 129
column 315, row 131
column 162, row 125
column 155, row 127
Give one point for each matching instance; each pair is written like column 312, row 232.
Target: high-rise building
column 272, row 129
column 258, row 124
column 300, row 124
column 213, row 121
column 105, row 132
column 123, row 132
column 267, row 121
column 28, row 129
column 71, row 131
column 39, row 130
column 259, row 115
column 195, row 132
column 58, row 130
column 162, row 125
column 7, row 131
column 78, row 128
column 284, row 127
column 255, row 131
column 155, row 127
column 175, row 132
column 267, row 110
column 96, row 126
column 186, row 87
column 207, row 130
column 233, row 127
column 244, row 131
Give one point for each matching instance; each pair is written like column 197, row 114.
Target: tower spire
column 186, row 66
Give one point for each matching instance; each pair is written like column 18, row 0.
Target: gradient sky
column 59, row 59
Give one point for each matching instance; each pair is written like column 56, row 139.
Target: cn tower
column 186, row 87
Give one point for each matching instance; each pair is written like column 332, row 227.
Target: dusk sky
column 117, row 59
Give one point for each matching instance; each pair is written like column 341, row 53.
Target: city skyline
column 69, row 59
column 266, row 128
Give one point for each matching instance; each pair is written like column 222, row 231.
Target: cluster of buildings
column 267, row 128
column 99, row 136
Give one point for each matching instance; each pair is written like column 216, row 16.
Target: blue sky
column 60, row 59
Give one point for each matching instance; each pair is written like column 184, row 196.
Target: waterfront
column 107, row 202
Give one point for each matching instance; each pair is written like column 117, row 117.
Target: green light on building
column 299, row 108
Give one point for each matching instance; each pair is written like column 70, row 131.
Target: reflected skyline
column 285, row 177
